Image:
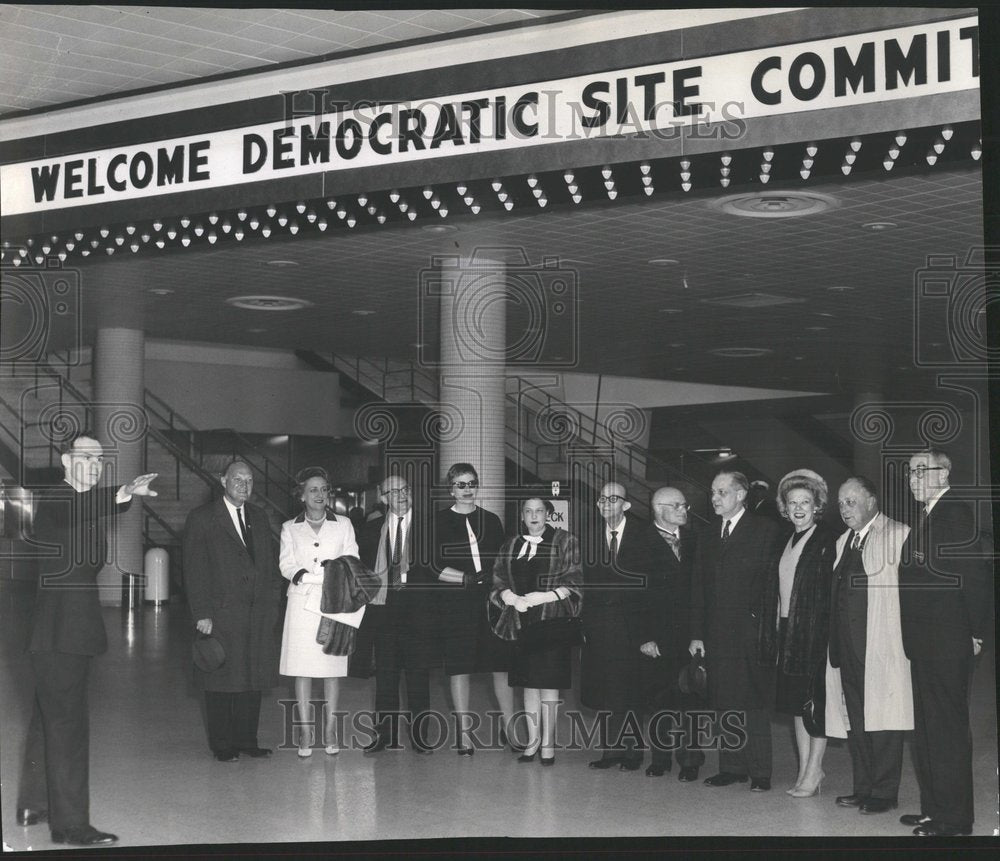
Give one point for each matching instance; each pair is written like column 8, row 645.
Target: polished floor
column 153, row 781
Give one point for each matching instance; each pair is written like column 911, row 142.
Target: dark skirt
column 546, row 668
column 791, row 691
column 467, row 641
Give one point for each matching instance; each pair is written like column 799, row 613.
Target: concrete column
column 473, row 359
column 119, row 422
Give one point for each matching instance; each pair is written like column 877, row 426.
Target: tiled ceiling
column 53, row 55
column 850, row 330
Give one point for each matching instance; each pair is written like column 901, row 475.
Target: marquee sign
column 653, row 100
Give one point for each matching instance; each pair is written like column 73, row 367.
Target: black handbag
column 814, row 709
column 550, row 633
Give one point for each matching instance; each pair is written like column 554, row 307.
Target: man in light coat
column 868, row 670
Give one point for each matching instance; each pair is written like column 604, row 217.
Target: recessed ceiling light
column 671, row 311
column 775, row 204
column 663, row 261
column 815, row 328
column 418, row 345
column 362, row 312
column 439, row 228
column 281, row 264
column 879, row 225
column 825, row 314
column 268, row 303
column 798, row 358
column 256, row 330
column 161, row 291
column 839, row 288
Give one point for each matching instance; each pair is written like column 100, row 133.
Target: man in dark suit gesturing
column 67, row 630
column 945, row 602
column 233, row 591
column 666, row 625
column 397, row 621
column 735, row 554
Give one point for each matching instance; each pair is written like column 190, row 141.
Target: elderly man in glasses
column 945, row 602
column 666, row 625
column 615, row 572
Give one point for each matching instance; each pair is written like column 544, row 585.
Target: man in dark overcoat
column 665, row 634
column 398, row 624
column 735, row 555
column 67, row 630
column 614, row 581
column 945, row 603
column 234, row 592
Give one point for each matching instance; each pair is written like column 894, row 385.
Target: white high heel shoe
column 307, row 750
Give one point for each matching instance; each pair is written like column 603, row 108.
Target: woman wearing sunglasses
column 467, row 540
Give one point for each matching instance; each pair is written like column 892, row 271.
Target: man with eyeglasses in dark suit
column 666, row 624
column 398, row 623
column 946, row 599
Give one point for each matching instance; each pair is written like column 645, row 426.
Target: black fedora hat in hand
column 693, row 679
column 207, row 653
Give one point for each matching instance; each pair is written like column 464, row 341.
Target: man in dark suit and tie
column 665, row 632
column 66, row 632
column 397, row 622
column 735, row 555
column 234, row 591
column 946, row 600
column 614, row 581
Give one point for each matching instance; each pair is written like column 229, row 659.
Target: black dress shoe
column 877, row 805
column 31, row 815
column 83, row 835
column 420, row 748
column 227, row 755
column 547, row 761
column 936, row 829
column 914, row 819
column 656, row 770
column 850, row 800
column 604, row 762
column 528, row 757
column 725, row 778
column 760, row 784
column 255, row 752
column 689, row 774
column 466, row 751
column 630, row 764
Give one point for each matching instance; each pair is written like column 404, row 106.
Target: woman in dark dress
column 795, row 618
column 466, row 540
column 537, row 576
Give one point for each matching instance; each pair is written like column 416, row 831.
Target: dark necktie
column 397, row 554
column 725, row 532
column 243, row 532
column 856, row 541
column 614, row 546
column 674, row 541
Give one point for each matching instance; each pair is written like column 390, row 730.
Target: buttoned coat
column 726, row 605
column 888, row 691
column 239, row 594
column 612, row 602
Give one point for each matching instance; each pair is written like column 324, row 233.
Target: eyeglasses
column 461, row 485
column 603, row 500
column 919, row 471
column 242, row 482
column 397, row 491
column 677, row 506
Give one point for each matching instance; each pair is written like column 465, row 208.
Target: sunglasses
column 461, row 485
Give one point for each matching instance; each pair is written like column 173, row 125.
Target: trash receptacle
column 157, row 564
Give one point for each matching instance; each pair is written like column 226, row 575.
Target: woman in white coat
column 316, row 535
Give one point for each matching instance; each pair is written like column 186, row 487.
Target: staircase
column 546, row 438
column 54, row 395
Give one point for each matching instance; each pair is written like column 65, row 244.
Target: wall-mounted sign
column 655, row 100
